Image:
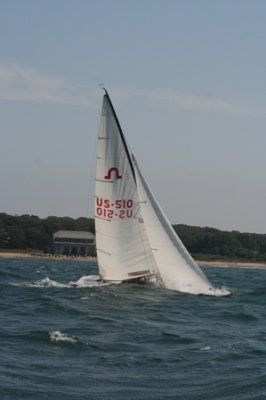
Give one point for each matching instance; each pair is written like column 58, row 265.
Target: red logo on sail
column 113, row 172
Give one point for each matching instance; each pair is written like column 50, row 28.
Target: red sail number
column 106, row 208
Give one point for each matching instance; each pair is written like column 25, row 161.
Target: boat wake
column 88, row 281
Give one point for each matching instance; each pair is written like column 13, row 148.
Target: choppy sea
column 59, row 341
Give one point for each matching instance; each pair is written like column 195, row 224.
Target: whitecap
column 91, row 281
column 84, row 281
column 46, row 282
column 57, row 336
column 206, row 348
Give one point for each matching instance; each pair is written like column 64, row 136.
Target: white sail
column 123, row 249
column 133, row 235
column 177, row 268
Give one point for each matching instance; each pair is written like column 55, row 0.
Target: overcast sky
column 187, row 79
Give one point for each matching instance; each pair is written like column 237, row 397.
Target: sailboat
column 134, row 239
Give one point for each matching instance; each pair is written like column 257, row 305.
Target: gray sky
column 187, row 79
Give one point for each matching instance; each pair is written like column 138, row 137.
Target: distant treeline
column 29, row 232
column 213, row 244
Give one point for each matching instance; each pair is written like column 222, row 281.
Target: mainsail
column 134, row 238
column 123, row 248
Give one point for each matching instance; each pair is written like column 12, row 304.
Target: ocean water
column 60, row 342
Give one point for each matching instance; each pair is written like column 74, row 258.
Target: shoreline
column 41, row 256
column 232, row 264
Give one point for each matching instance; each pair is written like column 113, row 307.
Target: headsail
column 177, row 268
column 122, row 245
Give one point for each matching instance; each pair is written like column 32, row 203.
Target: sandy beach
column 38, row 255
column 232, row 264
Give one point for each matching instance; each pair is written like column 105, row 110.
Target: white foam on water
column 95, row 281
column 91, row 281
column 46, row 282
column 84, row 281
column 57, row 336
column 206, row 348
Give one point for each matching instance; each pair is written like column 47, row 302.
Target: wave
column 46, row 282
column 57, row 336
column 90, row 281
column 84, row 281
column 65, row 338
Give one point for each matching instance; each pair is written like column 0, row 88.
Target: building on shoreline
column 74, row 243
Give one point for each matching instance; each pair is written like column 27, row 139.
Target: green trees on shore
column 213, row 244
column 29, row 232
